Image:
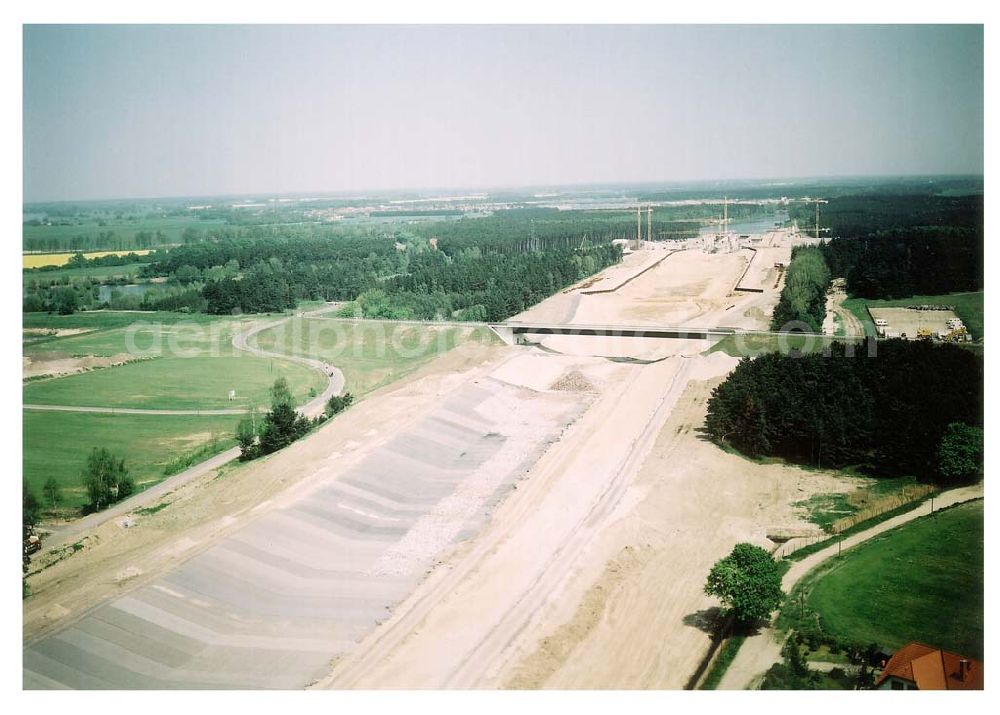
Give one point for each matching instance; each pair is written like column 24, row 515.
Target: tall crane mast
column 638, row 227
column 818, row 202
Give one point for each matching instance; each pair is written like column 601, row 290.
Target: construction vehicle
column 31, row 542
column 924, row 334
column 955, row 335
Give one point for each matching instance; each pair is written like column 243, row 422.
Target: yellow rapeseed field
column 37, row 260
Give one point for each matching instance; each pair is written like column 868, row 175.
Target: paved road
column 760, row 652
column 71, row 531
column 245, row 341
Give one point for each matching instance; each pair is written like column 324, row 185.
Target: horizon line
column 369, row 192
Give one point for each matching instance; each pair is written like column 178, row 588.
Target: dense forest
column 550, row 227
column 909, row 261
column 429, row 284
column 861, row 215
column 885, row 414
column 896, row 246
column 803, row 299
column 392, row 273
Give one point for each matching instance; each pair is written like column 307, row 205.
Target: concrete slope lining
column 271, row 604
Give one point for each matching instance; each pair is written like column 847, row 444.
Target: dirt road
column 487, row 596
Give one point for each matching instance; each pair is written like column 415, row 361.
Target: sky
column 154, row 111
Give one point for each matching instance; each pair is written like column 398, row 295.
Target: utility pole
column 649, row 223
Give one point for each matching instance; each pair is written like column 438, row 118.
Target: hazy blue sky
column 125, row 111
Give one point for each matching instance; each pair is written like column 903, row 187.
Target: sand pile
column 573, row 381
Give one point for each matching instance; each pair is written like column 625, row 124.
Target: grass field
column 968, row 306
column 57, row 444
column 147, row 334
column 195, row 366
column 920, row 582
column 370, row 355
column 107, row 319
column 176, row 383
column 171, row 227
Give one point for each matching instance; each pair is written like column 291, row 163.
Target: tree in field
column 748, row 582
column 66, row 302
column 338, row 403
column 282, row 425
column 106, row 479
column 52, row 492
column 960, row 454
column 246, row 436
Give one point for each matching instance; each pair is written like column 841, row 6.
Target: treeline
column 898, row 245
column 860, row 215
column 78, row 260
column 457, row 280
column 803, row 299
column 905, row 411
column 473, row 286
column 45, row 240
column 909, row 261
column 525, row 229
column 282, row 424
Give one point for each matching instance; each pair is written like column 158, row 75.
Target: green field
column 920, row 582
column 194, row 366
column 110, row 319
column 370, row 355
column 57, row 444
column 124, row 229
column 142, row 334
column 968, row 307
column 176, row 383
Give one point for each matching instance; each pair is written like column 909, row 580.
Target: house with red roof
column 917, row 666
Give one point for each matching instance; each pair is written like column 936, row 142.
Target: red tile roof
column 932, row 669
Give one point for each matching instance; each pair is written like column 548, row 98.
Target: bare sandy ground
column 907, row 321
column 591, row 574
column 645, row 622
column 61, row 364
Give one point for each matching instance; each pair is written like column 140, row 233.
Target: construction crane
column 818, row 202
column 638, row 227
